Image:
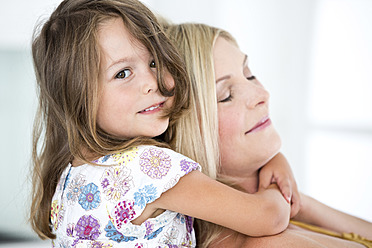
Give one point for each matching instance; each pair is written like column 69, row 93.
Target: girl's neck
column 89, row 156
column 77, row 162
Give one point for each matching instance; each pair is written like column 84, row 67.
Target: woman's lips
column 265, row 122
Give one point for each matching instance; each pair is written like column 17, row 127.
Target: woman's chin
column 272, row 152
column 276, row 144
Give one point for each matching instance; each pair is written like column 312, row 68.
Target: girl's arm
column 316, row 213
column 278, row 171
column 197, row 195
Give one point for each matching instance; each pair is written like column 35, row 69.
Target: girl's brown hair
column 66, row 60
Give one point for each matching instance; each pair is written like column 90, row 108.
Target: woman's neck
column 247, row 182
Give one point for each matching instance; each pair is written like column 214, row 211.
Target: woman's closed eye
column 226, row 96
column 123, row 74
column 251, row 78
column 227, row 99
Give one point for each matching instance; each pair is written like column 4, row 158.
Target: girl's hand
column 261, row 214
column 278, row 171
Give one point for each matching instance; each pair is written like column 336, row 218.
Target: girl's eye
column 251, row 78
column 152, row 64
column 123, row 74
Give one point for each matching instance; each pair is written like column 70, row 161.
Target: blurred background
column 314, row 57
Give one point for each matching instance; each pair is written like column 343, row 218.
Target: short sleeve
column 140, row 176
column 164, row 167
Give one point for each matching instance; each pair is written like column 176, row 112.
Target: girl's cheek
column 169, row 80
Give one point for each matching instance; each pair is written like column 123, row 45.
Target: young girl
column 110, row 82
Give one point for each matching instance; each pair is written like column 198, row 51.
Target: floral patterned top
column 93, row 205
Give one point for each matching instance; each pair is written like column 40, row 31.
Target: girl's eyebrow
column 120, row 61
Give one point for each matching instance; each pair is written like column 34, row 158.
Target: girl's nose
column 150, row 83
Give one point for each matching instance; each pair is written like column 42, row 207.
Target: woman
column 241, row 139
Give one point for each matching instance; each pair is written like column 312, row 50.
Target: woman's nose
column 150, row 82
column 257, row 95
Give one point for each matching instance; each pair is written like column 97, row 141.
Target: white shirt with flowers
column 93, row 205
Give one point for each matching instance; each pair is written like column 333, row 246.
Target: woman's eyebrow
column 229, row 76
column 245, row 60
column 223, row 78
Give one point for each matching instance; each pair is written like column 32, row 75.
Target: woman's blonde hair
column 195, row 43
column 66, row 58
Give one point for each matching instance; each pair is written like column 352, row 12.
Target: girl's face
column 130, row 103
column 248, row 139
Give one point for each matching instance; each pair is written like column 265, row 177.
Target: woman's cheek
column 226, row 125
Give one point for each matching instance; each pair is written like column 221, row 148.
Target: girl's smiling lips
column 152, row 109
column 265, row 122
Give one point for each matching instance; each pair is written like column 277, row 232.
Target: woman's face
column 247, row 136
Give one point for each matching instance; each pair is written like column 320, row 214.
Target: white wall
column 302, row 51
column 339, row 141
